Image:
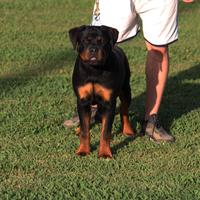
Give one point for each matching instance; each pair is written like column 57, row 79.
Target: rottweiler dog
column 101, row 74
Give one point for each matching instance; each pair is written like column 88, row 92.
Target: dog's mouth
column 93, row 58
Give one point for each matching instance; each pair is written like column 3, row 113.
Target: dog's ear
column 74, row 35
column 113, row 34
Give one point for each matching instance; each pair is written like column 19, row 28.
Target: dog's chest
column 92, row 90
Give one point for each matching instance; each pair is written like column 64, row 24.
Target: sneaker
column 155, row 131
column 74, row 121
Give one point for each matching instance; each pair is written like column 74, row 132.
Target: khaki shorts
column 159, row 19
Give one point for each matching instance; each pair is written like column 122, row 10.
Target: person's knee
column 157, row 50
column 157, row 58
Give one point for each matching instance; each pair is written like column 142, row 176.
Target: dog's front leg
column 84, row 111
column 107, row 121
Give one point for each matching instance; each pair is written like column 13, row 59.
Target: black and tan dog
column 101, row 74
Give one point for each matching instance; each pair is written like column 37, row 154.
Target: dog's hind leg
column 125, row 98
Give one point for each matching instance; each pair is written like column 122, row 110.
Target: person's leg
column 157, row 65
column 160, row 28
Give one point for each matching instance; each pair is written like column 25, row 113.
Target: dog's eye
column 87, row 40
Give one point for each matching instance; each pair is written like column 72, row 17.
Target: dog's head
column 93, row 43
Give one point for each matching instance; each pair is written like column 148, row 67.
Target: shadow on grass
column 182, row 96
column 9, row 82
column 118, row 146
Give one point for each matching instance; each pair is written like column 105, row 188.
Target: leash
column 97, row 11
column 96, row 14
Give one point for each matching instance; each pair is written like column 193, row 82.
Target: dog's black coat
column 100, row 75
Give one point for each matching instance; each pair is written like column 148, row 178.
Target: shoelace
column 154, row 120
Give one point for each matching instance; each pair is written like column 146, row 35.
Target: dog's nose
column 93, row 50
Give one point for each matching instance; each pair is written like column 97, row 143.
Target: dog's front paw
column 105, row 152
column 128, row 133
column 83, row 150
column 128, row 130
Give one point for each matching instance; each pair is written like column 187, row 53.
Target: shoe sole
column 160, row 141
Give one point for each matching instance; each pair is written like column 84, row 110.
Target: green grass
column 37, row 154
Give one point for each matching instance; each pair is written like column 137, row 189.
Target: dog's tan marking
column 85, row 90
column 85, row 55
column 78, row 130
column 103, row 92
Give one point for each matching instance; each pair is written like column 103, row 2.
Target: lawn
column 37, row 153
